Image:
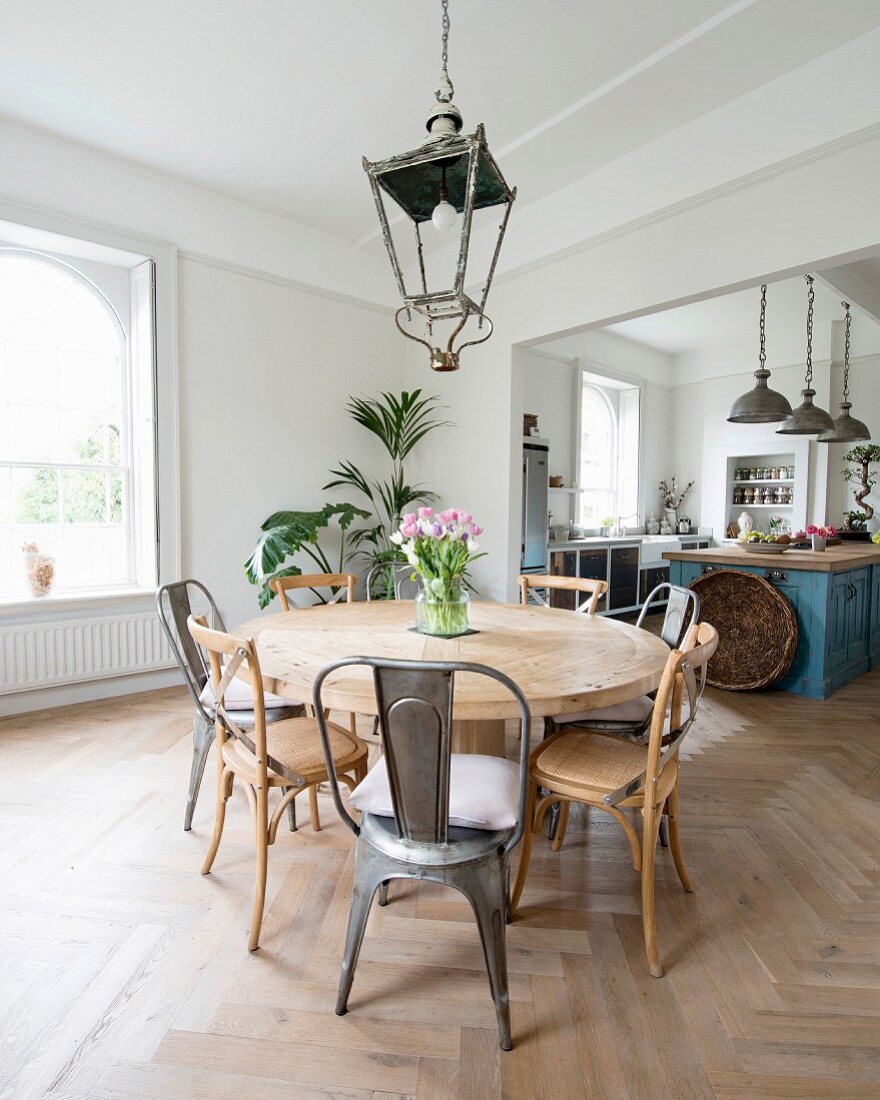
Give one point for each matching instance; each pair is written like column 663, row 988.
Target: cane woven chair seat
column 589, row 761
column 294, row 747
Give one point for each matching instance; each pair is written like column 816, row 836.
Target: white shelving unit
column 792, row 512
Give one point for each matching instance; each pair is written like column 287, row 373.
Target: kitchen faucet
column 621, row 530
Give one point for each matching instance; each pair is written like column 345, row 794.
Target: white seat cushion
column 633, row 711
column 239, row 696
column 483, row 792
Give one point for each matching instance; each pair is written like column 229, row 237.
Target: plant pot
column 672, row 518
column 819, row 542
column 445, row 616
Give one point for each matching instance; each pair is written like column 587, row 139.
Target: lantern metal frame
column 469, row 179
column 391, row 176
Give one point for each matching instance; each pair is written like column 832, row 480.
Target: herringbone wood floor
column 124, row 972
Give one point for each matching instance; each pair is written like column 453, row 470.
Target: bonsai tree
column 859, row 474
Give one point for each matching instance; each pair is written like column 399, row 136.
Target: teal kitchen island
column 836, row 598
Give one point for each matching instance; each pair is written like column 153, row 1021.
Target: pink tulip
column 409, row 530
column 476, row 530
column 465, row 517
column 425, row 513
column 409, row 517
column 812, row 529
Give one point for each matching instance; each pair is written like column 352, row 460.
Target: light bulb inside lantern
column 444, row 215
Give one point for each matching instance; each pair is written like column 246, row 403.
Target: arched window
column 598, row 457
column 64, row 447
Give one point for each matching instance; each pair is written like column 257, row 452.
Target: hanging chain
column 846, row 352
column 811, row 297
column 762, row 355
column 445, row 91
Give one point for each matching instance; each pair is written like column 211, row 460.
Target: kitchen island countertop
column 835, row 559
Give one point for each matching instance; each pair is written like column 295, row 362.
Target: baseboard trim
column 62, row 695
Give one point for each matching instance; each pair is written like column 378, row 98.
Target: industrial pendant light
column 760, row 405
column 846, row 428
column 807, row 418
column 442, row 182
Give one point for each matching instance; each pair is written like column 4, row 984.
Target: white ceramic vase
column 819, row 542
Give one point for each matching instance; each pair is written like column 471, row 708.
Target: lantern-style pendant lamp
column 846, row 428
column 449, row 175
column 760, row 405
column 807, row 418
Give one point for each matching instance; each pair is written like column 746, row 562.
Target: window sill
column 93, row 599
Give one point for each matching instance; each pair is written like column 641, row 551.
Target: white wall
column 814, row 212
column 265, row 373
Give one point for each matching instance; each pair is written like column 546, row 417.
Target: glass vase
column 443, row 616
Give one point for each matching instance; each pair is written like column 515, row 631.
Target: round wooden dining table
column 563, row 661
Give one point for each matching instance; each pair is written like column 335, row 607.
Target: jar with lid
column 753, row 472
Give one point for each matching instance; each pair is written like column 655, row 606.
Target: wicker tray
column 757, row 629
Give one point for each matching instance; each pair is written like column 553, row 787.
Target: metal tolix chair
column 174, row 606
column 424, row 811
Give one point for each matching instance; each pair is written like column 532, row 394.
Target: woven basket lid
column 757, row 629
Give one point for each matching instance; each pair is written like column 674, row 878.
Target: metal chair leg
column 366, row 878
column 486, row 887
column 203, row 735
column 383, row 892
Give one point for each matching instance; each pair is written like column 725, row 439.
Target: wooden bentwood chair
column 430, row 814
column 287, row 754
column 576, row 765
column 343, row 583
column 530, row 583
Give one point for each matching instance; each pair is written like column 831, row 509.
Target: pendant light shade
column 846, row 428
column 760, row 405
column 807, row 418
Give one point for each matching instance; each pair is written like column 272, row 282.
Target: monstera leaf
column 288, row 533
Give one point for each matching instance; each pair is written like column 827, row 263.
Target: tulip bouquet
column 440, row 547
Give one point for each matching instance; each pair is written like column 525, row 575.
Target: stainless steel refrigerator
column 535, row 528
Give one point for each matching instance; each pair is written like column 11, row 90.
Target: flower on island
column 823, row 532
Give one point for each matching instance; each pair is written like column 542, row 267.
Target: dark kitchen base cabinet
column 838, row 617
column 617, row 565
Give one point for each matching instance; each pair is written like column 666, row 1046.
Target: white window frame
column 587, row 373
column 36, row 230
column 612, row 415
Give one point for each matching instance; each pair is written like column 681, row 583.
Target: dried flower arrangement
column 39, row 569
column 671, row 495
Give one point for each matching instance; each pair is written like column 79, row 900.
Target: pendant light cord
column 848, row 323
column 811, row 297
column 762, row 354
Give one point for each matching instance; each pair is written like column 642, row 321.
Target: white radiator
column 47, row 654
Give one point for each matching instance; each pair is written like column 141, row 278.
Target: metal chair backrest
column 415, row 704
column 682, row 609
column 530, row 583
column 391, row 580
column 343, row 583
column 174, row 607
column 684, row 680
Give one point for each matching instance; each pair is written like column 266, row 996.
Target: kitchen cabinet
column 649, row 578
column 837, row 611
column 623, row 578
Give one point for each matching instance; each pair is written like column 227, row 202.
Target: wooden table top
column 564, row 662
column 834, row 559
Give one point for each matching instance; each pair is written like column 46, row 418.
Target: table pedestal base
column 483, row 737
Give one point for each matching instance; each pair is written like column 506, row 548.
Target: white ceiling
column 274, row 101
column 731, row 318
